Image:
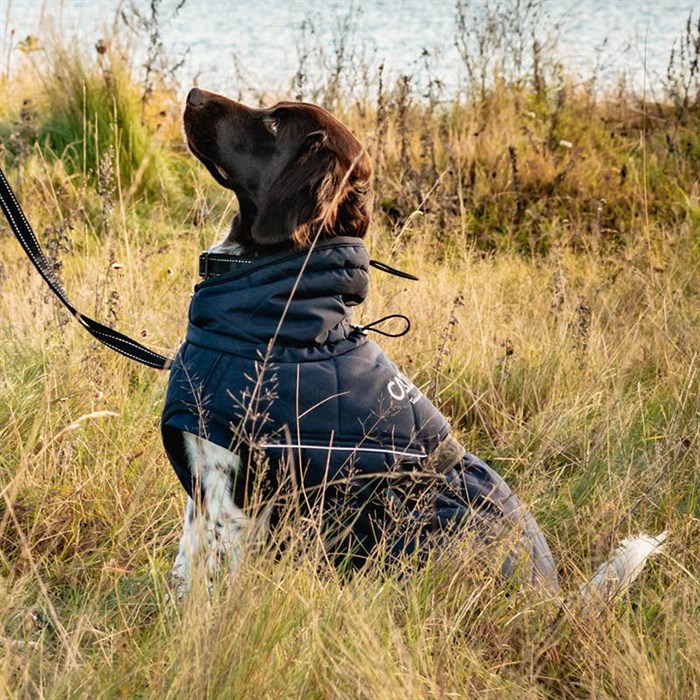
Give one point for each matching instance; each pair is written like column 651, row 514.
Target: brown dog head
column 296, row 170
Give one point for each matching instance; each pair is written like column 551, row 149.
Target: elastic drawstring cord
column 371, row 326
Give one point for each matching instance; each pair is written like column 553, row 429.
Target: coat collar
column 303, row 299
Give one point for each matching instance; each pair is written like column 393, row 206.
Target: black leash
column 25, row 235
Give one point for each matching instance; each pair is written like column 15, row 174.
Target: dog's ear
column 290, row 203
column 308, row 195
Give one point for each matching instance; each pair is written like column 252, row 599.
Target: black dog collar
column 212, row 264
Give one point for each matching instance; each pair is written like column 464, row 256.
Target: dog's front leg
column 225, row 524
column 191, row 544
column 213, row 525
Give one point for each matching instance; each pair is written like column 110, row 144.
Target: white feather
column 624, row 565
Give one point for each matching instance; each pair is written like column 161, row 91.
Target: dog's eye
column 271, row 124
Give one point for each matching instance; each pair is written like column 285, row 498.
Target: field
column 556, row 322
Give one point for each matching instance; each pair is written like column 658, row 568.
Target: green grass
column 570, row 364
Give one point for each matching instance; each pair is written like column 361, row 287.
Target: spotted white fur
column 215, row 527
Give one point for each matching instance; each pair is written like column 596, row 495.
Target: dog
column 277, row 400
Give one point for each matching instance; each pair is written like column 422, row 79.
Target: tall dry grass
column 556, row 323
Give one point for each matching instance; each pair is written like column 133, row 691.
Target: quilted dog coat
column 273, row 369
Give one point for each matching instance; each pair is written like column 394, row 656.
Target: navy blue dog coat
column 273, row 369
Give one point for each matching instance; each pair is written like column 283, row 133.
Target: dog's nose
column 195, row 98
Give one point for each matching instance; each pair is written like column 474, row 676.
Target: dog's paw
column 177, row 588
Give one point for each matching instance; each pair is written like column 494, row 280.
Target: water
column 237, row 46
